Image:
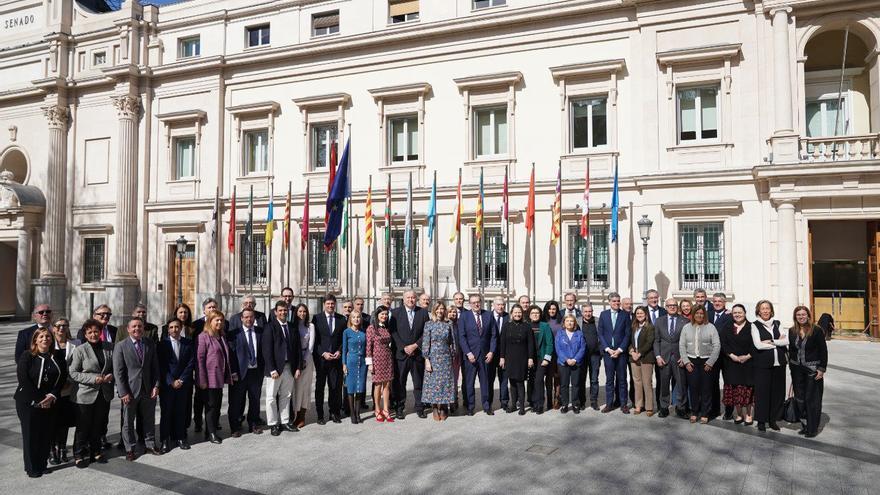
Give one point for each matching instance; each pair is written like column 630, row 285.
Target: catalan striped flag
column 286, row 234
column 556, row 230
column 388, row 213
column 368, row 216
column 585, row 209
column 270, row 217
column 530, row 208
column 304, row 225
column 456, row 215
column 479, row 221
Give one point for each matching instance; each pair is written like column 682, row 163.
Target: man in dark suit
column 42, row 319
column 365, row 317
column 151, row 331
column 569, row 307
column 327, row 352
column 592, row 358
column 248, row 302
column 136, row 372
column 654, row 309
column 409, row 325
column 478, row 338
column 287, row 296
column 176, row 364
column 614, row 336
column 247, row 374
column 500, row 316
column 282, row 366
column 667, row 332
column 108, row 333
column 700, row 299
column 719, row 316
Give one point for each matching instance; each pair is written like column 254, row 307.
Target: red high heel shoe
column 380, row 418
column 388, row 418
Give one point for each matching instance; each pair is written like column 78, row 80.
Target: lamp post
column 181, row 250
column 645, row 233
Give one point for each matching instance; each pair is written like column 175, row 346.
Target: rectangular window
column 589, row 123
column 403, row 139
column 589, row 257
column 184, row 157
column 702, row 256
column 256, row 151
column 402, row 10
column 189, row 47
column 322, row 142
column 322, row 264
column 252, row 260
column 325, row 23
column 822, row 119
column 99, row 58
column 698, row 113
column 494, row 259
column 491, row 131
column 404, row 264
column 93, row 260
column 482, row 4
column 257, row 35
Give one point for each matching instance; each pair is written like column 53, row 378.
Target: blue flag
column 407, row 227
column 336, row 200
column 615, row 204
column 432, row 211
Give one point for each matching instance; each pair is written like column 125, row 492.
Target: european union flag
column 336, row 200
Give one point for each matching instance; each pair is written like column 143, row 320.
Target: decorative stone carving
column 56, row 115
column 8, row 198
column 13, row 133
column 127, row 107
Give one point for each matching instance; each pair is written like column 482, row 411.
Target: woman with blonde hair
column 771, row 342
column 66, row 413
column 213, row 370
column 354, row 365
column 437, row 347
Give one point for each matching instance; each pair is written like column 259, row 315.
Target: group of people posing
column 541, row 358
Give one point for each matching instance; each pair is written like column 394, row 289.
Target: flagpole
column 505, row 214
column 534, row 248
column 305, row 225
column 410, row 249
column 589, row 237
column 349, row 280
column 560, row 241
column 250, row 241
column 269, row 246
column 481, row 254
column 458, row 233
column 370, row 247
column 434, row 232
column 389, row 220
column 287, row 227
column 234, row 236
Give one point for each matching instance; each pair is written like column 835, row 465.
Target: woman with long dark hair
column 808, row 359
column 543, row 358
column 302, row 388
column 739, row 376
column 553, row 318
column 380, row 362
column 183, row 313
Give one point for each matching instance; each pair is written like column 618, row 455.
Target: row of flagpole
column 337, row 226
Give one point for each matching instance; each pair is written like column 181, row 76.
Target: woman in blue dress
column 354, row 365
column 437, row 347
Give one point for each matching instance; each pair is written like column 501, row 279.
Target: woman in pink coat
column 213, row 371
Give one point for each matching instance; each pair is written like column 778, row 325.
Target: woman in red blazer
column 213, row 371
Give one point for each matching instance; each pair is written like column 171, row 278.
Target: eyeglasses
column 60, row 325
column 671, row 305
column 44, row 312
column 105, row 315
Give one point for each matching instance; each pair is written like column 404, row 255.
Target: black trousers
column 496, row 371
column 249, row 387
column 808, row 396
column 36, row 434
column 414, row 366
column 198, row 406
column 517, row 390
column 700, row 388
column 213, row 402
column 173, row 406
column 65, row 415
column 716, row 390
column 536, row 384
column 568, row 384
column 591, row 365
column 91, row 422
column 329, row 374
column 769, row 393
column 551, row 381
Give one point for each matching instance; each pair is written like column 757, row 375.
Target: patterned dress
column 437, row 345
column 379, row 351
column 354, row 347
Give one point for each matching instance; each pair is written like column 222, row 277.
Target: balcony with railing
column 840, row 148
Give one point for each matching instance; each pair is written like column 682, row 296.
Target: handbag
column 790, row 410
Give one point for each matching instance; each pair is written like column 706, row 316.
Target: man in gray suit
column 136, row 370
column 667, row 332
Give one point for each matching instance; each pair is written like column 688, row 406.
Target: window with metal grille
column 93, row 260
column 252, row 260
column 494, row 258
column 588, row 266
column 404, row 264
column 323, row 138
column 323, row 264
column 702, row 256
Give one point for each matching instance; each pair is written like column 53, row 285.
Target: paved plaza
column 586, row 453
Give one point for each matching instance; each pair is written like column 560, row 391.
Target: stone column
column 23, row 275
column 787, row 263
column 784, row 141
column 51, row 288
column 122, row 286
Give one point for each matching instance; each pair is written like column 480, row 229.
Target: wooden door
column 873, row 285
column 187, row 266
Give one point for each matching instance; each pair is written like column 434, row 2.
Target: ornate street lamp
column 645, row 233
column 181, row 250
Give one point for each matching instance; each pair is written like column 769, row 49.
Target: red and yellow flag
column 478, row 231
column 456, row 215
column 556, row 231
column 530, row 208
column 368, row 216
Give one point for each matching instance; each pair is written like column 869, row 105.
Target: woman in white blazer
column 302, row 388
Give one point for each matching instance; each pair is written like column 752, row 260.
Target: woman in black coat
column 517, row 351
column 40, row 378
column 771, row 345
column 739, row 376
column 808, row 360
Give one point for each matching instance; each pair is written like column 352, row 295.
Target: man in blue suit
column 477, row 336
column 176, row 363
column 247, row 373
column 495, row 370
column 720, row 317
column 614, row 335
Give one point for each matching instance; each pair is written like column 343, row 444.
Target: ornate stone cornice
column 127, row 106
column 56, row 115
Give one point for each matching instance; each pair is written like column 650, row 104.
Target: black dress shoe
column 624, row 409
column 34, row 475
column 214, row 438
column 421, row 414
column 538, row 410
column 576, row 409
column 81, row 463
column 522, row 412
column 101, row 459
column 166, row 447
column 563, row 409
column 510, row 410
column 594, row 405
column 802, row 431
column 154, row 451
column 291, row 427
column 321, row 421
column 183, row 444
column 400, row 414
column 470, row 412
column 256, row 430
column 663, row 413
column 489, row 412
column 774, row 426
column 276, row 430
column 810, row 435
column 761, row 427
column 335, row 418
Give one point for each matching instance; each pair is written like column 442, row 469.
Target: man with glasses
column 42, row 319
column 287, row 296
column 654, row 309
column 524, row 302
column 108, row 332
column 478, row 335
column 248, row 302
column 667, row 332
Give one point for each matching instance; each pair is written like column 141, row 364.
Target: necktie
column 103, row 333
column 284, row 330
column 251, row 354
column 479, row 323
column 653, row 316
column 330, row 324
column 175, row 345
column 672, row 326
column 139, row 350
column 409, row 314
column 499, row 324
